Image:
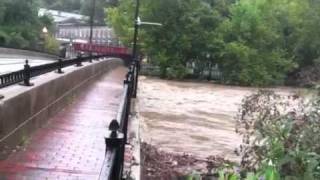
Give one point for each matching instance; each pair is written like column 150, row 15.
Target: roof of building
column 60, row 16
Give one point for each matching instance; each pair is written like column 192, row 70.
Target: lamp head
column 45, row 30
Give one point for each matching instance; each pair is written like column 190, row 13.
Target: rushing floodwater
column 196, row 118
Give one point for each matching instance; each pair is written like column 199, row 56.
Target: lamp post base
column 59, row 71
column 26, row 84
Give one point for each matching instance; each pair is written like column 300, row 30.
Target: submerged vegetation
column 282, row 135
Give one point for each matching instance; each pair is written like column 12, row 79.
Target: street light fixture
column 44, row 30
column 139, row 22
column 93, row 9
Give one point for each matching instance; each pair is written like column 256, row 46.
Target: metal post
column 127, row 107
column 134, row 49
column 93, row 9
column 26, row 74
column 115, row 140
column 1, row 96
column 135, row 78
column 60, row 66
column 79, row 60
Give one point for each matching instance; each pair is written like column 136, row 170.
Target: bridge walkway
column 71, row 145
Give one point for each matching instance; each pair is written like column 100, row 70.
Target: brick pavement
column 71, row 145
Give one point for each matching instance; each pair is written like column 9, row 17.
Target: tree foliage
column 51, row 45
column 81, row 6
column 254, row 42
column 20, row 25
column 63, row 5
column 121, row 19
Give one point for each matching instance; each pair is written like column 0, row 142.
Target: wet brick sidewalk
column 71, row 146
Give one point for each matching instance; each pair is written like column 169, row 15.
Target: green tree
column 121, row 19
column 185, row 36
column 63, row 5
column 254, row 52
column 86, row 9
column 254, row 42
column 20, row 25
column 305, row 36
column 51, row 45
column 81, row 6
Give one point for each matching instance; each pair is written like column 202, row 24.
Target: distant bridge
column 112, row 51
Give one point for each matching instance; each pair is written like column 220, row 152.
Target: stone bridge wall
column 24, row 109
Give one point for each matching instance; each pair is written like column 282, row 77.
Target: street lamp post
column 134, row 49
column 136, row 31
column 135, row 57
column 93, row 9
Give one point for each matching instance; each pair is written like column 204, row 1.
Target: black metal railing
column 24, row 76
column 116, row 137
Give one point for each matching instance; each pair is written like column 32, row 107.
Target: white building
column 72, row 27
column 60, row 16
column 81, row 33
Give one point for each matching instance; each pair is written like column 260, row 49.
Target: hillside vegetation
column 21, row 27
column 254, row 42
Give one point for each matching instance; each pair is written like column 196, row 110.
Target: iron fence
column 116, row 137
column 23, row 76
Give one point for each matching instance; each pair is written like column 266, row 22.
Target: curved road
column 13, row 60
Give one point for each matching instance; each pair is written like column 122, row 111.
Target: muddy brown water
column 190, row 117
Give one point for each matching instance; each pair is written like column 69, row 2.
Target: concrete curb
column 132, row 169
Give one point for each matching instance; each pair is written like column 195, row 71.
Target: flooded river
column 189, row 117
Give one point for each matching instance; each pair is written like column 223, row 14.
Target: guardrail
column 116, row 137
column 23, row 76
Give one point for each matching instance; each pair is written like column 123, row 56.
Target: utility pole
column 136, row 31
column 134, row 49
column 136, row 60
column 93, row 9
